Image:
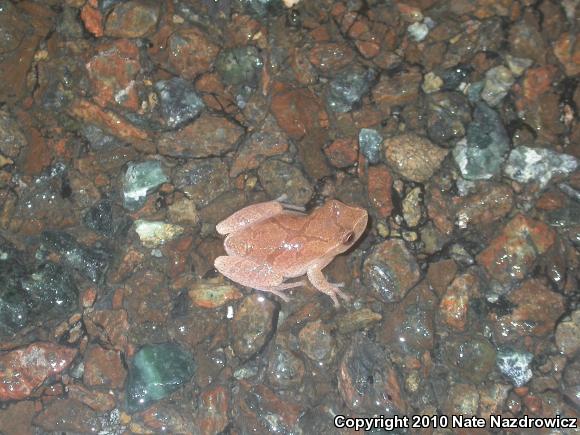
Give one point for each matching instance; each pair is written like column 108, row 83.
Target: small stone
column 515, row 365
column 481, row 155
column 490, row 203
column 285, row 368
column 431, row 83
column 178, row 101
column 413, row 207
column 239, row 66
column 67, row 415
column 153, row 234
column 518, row 65
column 103, row 367
column 98, row 401
column 155, row 372
column 568, row 334
column 212, row 414
column 342, row 153
column 454, row 77
column 380, row 188
column 213, row 293
column 498, row 82
column 99, row 218
column 208, row 136
column 12, row 140
column 414, row 157
column 253, row 325
column 390, row 271
column 203, row 180
column 357, row 320
column 448, row 114
column 191, row 52
column 24, row 370
column 109, row 326
column 397, row 90
column 455, row 303
column 279, row 178
column 16, row 419
column 132, row 19
column 568, row 53
column 526, row 164
column 141, row 179
column 418, row 31
column 183, row 212
column 329, row 57
column 474, row 358
column 317, row 342
column 347, row 89
column 462, row 399
column 369, row 142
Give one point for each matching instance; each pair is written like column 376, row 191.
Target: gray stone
column 498, row 82
column 515, row 365
column 369, row 141
column 178, row 101
column 347, row 89
column 140, row 179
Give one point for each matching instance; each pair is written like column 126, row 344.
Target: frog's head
column 351, row 221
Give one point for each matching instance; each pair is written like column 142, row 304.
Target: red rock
column 380, row 185
column 567, row 50
column 455, row 303
column 112, row 123
column 110, row 327
column 24, row 370
column 440, row 275
column 92, row 18
column 213, row 293
column 208, row 136
column 67, row 415
column 511, row 255
column 16, row 419
column 214, row 95
column 401, row 89
column 330, row 57
column 488, row 204
column 266, row 142
column 132, row 19
column 296, row 110
column 191, row 52
column 342, row 153
column 96, row 400
column 113, row 71
column 212, row 414
column 537, row 81
column 103, row 368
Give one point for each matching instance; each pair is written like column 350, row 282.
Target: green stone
column 140, row 179
column 156, row 371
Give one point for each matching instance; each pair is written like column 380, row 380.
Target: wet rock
column 369, row 142
column 285, row 369
column 69, row 24
column 178, row 101
column 212, row 414
column 462, row 399
column 191, row 52
column 568, row 53
column 12, row 25
column 536, row 311
column 96, row 400
column 526, row 40
column 490, row 203
column 511, row 255
column 99, row 218
column 253, row 325
column 317, row 342
column 16, row 419
column 390, row 271
column 453, row 77
column 347, row 89
column 12, row 140
column 571, row 381
column 110, row 327
column 24, row 370
column 413, row 156
column 183, row 212
column 498, row 82
column 239, row 66
column 202, row 180
column 398, row 90
column 103, row 367
column 155, row 372
column 267, row 141
column 418, row 31
column 279, row 178
column 330, row 57
column 213, row 293
column 342, row 153
column 132, row 19
column 380, row 190
column 14, row 309
column 515, row 365
column 297, row 111
column 526, row 164
column 413, row 207
column 431, row 83
column 92, row 263
column 412, row 326
column 113, row 72
column 358, row 320
column 568, row 334
column 481, row 154
column 51, row 291
column 474, row 358
column 63, row 415
column 367, row 381
column 455, row 303
column 208, row 136
column 139, row 180
column 492, row 399
column 440, row 274
column 448, row 114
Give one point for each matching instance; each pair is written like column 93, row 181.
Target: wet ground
column 128, row 129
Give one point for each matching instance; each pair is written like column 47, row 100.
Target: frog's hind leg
column 249, row 215
column 279, row 288
column 318, row 280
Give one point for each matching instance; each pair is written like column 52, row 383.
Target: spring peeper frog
column 270, row 242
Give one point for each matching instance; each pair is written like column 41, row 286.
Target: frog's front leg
column 259, row 276
column 318, row 280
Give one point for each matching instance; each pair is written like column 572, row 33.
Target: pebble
column 202, row 180
column 414, row 157
column 280, row 178
column 567, row 337
column 253, row 325
column 132, row 19
column 498, row 82
column 178, row 101
column 12, row 139
column 347, row 88
column 141, row 179
column 515, row 365
column 370, row 141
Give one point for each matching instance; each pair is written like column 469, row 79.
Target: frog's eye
column 348, row 238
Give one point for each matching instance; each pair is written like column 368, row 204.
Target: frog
column 270, row 242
